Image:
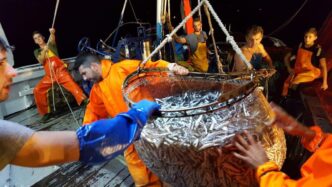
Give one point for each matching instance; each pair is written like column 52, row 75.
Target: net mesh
column 184, row 146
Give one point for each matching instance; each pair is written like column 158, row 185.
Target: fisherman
column 106, row 100
column 22, row 146
column 310, row 63
column 253, row 50
column 198, row 59
column 55, row 73
column 316, row 171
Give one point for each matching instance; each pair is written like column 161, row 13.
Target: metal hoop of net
column 159, row 83
column 200, row 113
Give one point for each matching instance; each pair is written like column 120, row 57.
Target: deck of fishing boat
column 318, row 104
column 315, row 109
column 112, row 173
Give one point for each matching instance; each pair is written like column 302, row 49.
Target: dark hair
column 254, row 29
column 37, row 32
column 197, row 19
column 311, row 30
column 86, row 59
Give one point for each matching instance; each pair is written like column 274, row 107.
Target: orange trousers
column 55, row 71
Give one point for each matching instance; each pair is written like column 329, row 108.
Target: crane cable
column 289, row 19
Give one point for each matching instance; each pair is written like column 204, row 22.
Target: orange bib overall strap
column 304, row 71
column 199, row 58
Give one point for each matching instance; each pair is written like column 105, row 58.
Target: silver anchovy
column 188, row 151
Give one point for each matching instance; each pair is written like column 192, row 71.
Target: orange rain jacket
column 106, row 100
column 316, row 171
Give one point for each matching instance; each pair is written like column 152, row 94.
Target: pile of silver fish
column 188, row 151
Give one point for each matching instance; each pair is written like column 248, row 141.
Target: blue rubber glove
column 105, row 139
column 143, row 110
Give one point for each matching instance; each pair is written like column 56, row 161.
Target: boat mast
column 159, row 26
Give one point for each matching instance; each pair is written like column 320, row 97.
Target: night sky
column 98, row 18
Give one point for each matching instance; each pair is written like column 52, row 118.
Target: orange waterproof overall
column 55, row 71
column 316, row 171
column 106, row 100
column 304, row 71
column 199, row 58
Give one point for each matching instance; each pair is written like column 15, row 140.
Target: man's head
column 89, row 67
column 310, row 36
column 197, row 25
column 7, row 72
column 38, row 38
column 254, row 35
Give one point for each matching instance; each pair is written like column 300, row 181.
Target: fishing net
column 200, row 113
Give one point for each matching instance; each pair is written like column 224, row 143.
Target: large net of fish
column 188, row 150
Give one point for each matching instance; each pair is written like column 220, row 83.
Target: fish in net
column 184, row 147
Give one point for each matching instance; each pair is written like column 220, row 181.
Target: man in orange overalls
column 316, row 171
column 22, row 146
column 310, row 63
column 198, row 60
column 106, row 100
column 55, row 72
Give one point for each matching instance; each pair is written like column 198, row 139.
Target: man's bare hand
column 177, row 69
column 324, row 86
column 248, row 150
column 45, row 48
column 52, row 30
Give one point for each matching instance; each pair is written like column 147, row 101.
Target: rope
column 164, row 8
column 55, row 12
column 289, row 20
column 169, row 8
column 52, row 70
column 199, row 11
column 267, row 88
column 168, row 14
column 50, row 66
column 132, row 8
column 63, row 94
column 168, row 37
column 229, row 38
column 219, row 64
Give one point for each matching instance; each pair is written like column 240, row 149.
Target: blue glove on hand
column 143, row 110
column 105, row 139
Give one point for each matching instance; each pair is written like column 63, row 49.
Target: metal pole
column 169, row 36
column 120, row 21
